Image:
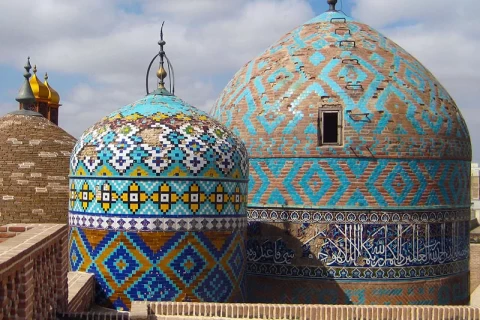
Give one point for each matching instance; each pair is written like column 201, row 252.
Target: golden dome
column 53, row 96
column 40, row 91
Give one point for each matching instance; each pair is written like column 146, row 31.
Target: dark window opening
column 330, row 127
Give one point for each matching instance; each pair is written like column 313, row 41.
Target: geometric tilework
column 161, row 266
column 158, row 196
column 392, row 105
column 155, row 223
column 388, row 183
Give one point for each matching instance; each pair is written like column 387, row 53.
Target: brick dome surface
column 158, row 205
column 382, row 207
column 34, row 162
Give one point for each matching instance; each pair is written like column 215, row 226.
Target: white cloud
column 112, row 47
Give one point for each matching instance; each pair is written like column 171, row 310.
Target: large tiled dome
column 158, row 205
column 359, row 170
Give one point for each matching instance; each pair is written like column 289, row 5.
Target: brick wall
column 33, row 272
column 474, row 263
column 34, row 162
column 475, row 182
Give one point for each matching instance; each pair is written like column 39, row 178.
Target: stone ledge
column 17, row 248
column 81, row 291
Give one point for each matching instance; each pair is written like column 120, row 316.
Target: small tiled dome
column 158, row 205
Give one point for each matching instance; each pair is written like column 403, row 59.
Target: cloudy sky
column 96, row 52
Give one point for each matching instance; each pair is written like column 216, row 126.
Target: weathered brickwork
column 474, row 269
column 34, row 161
column 381, row 197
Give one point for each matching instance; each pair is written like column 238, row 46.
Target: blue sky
column 96, row 52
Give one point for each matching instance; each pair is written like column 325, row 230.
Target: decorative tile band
column 354, row 273
column 158, row 197
column 357, row 247
column 168, row 266
column 379, row 184
column 157, row 224
column 360, row 216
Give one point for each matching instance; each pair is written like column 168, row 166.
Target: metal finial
column 25, row 95
column 332, row 4
column 161, row 72
column 35, row 69
column 46, row 76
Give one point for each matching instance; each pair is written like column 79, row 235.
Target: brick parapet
column 182, row 310
column 81, row 291
column 33, row 267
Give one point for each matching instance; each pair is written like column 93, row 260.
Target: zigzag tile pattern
column 359, row 183
column 172, row 266
column 392, row 106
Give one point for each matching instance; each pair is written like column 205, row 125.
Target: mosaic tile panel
column 359, row 183
column 159, row 196
column 392, row 105
column 197, row 266
column 395, row 250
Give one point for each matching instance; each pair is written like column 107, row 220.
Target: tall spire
column 161, row 72
column 332, row 4
column 25, row 95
